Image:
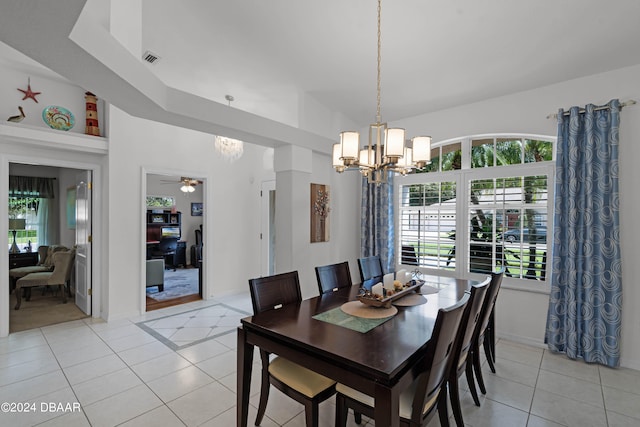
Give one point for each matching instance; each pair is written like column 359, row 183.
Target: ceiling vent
column 150, row 57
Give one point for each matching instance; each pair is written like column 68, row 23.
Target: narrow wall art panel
column 320, row 213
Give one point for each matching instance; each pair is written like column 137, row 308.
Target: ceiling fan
column 188, row 184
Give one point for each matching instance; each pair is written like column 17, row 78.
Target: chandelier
column 230, row 149
column 386, row 150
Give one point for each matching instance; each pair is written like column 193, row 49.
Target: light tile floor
column 176, row 367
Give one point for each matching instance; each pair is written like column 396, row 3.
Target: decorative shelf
column 50, row 138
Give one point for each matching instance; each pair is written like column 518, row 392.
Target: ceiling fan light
column 186, row 188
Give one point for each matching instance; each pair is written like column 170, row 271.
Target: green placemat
column 338, row 317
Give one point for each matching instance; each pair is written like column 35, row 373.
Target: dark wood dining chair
column 333, row 277
column 370, row 267
column 295, row 381
column 470, row 319
column 481, row 337
column 428, row 392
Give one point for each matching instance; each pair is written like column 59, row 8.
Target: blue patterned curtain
column 585, row 305
column 376, row 226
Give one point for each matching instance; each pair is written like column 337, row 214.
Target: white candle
column 377, row 289
column 387, row 280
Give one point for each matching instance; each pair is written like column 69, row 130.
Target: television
column 172, row 231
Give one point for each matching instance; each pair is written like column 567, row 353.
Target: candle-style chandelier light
column 386, row 150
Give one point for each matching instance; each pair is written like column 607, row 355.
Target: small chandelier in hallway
column 230, row 149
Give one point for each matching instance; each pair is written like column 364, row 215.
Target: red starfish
column 29, row 93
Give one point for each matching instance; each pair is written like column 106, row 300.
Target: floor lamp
column 14, row 225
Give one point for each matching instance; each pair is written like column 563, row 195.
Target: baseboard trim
column 523, row 340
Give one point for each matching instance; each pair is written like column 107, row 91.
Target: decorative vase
column 320, row 229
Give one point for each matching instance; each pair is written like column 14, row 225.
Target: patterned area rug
column 183, row 281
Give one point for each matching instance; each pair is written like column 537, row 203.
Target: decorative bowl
column 368, row 298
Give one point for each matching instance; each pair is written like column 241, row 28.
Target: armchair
column 59, row 276
column 45, row 263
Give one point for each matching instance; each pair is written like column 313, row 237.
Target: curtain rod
column 604, row 107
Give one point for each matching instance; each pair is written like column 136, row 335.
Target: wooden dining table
column 381, row 362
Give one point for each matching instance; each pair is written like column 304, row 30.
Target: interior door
column 267, row 228
column 83, row 241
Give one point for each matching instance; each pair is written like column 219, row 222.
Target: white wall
column 231, row 196
column 231, row 193
column 344, row 224
column 296, row 169
column 317, row 118
column 344, row 234
column 522, row 315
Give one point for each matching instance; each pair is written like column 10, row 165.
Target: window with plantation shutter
column 483, row 204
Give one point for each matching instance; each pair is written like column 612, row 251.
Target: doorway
column 268, row 228
column 174, row 212
column 45, row 199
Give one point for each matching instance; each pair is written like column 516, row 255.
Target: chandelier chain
column 378, row 116
column 386, row 150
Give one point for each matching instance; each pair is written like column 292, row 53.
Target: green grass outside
column 23, row 237
column 513, row 258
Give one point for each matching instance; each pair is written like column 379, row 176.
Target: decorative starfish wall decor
column 29, row 93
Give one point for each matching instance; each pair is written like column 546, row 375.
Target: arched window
column 482, row 204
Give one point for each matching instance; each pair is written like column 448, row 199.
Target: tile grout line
column 66, row 379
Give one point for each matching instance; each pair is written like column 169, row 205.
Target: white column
column 293, row 167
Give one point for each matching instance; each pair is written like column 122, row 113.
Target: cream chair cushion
column 19, row 272
column 406, row 399
column 302, row 379
column 16, row 273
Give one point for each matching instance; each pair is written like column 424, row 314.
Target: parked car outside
column 513, row 236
